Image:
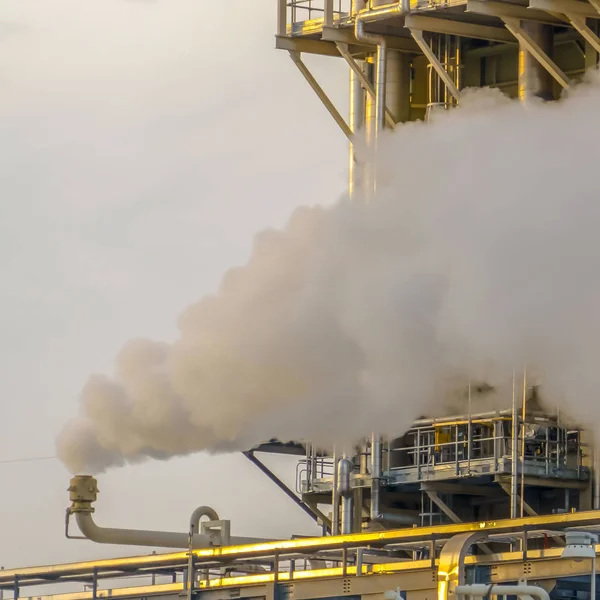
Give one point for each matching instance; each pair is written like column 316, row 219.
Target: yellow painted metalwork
column 299, row 546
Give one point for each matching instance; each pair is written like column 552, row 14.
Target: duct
column 84, row 492
column 534, row 80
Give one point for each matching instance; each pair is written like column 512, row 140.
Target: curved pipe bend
column 154, row 539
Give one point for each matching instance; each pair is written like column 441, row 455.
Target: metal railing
column 300, row 11
column 312, row 469
column 463, row 447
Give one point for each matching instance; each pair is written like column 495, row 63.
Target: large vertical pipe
column 534, row 80
column 397, row 94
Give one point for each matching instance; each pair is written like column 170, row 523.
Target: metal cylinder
column 347, row 514
column 534, row 80
column 345, row 468
column 397, row 94
column 375, row 477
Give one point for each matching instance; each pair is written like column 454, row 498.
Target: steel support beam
column 526, row 507
column 583, row 28
column 451, row 514
column 346, row 36
column 573, row 7
column 308, row 46
column 435, row 63
column 459, row 28
column 312, row 512
column 576, row 13
column 514, row 26
column 444, row 507
column 451, row 488
column 333, row 111
column 364, row 81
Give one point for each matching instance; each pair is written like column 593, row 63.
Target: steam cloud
column 481, row 253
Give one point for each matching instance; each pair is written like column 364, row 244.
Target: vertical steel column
column 534, row 80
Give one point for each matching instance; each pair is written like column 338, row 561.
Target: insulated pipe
column 522, row 590
column 347, row 514
column 202, row 511
column 375, row 477
column 84, row 492
column 345, row 468
column 134, row 537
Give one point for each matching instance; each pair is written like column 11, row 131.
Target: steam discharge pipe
column 84, row 491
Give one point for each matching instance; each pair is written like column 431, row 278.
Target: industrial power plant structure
column 478, row 505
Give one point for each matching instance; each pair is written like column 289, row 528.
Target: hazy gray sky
column 142, row 144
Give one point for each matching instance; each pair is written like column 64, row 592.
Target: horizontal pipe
column 154, row 539
column 397, row 519
column 134, row 537
column 383, row 12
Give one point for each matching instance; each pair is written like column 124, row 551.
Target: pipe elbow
column 202, row 511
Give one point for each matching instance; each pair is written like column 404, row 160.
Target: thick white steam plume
column 481, row 253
